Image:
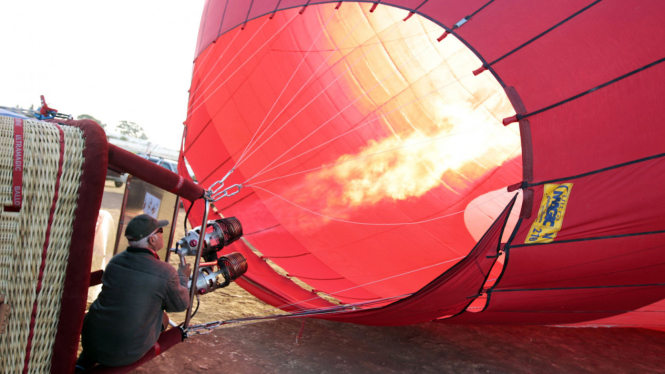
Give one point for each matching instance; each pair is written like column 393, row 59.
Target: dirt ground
column 330, row 347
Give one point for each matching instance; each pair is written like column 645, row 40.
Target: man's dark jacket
column 126, row 319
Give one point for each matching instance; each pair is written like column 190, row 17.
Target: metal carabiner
column 215, row 196
column 214, row 188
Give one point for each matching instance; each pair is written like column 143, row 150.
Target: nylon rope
column 305, row 84
column 220, row 58
column 337, row 114
column 375, row 223
column 243, row 64
column 368, row 283
column 263, row 171
column 210, row 326
column 198, row 65
column 323, row 28
column 368, row 155
column 393, row 27
column 326, row 310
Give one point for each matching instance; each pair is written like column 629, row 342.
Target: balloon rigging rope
column 263, row 171
column 367, row 155
column 376, row 223
column 323, row 28
column 241, row 66
column 242, row 158
column 313, row 99
column 208, row 327
column 339, row 112
column 227, row 64
column 315, row 311
column 200, row 65
column 366, row 284
column 337, row 47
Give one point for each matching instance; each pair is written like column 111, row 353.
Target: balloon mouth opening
column 339, row 112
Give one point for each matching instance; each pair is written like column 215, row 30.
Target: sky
column 115, row 60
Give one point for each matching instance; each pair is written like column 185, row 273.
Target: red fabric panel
column 261, row 7
column 651, row 316
column 153, row 174
column 582, row 135
column 213, row 12
column 593, row 263
column 237, row 13
column 448, row 294
column 516, row 21
column 77, row 276
column 608, row 203
column 359, row 255
column 568, row 60
column 613, row 125
column 166, row 340
column 563, row 306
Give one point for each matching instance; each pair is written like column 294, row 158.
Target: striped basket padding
column 34, row 253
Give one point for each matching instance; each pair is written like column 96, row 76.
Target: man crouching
column 137, row 289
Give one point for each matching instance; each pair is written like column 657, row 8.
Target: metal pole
column 121, row 220
column 195, row 271
column 174, row 221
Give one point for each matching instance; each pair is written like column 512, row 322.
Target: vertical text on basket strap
column 17, row 168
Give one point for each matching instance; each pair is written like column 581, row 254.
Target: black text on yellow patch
column 550, row 215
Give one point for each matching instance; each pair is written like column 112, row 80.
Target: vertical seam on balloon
column 221, row 23
column 205, row 19
column 275, row 11
column 304, row 7
column 246, row 18
column 599, row 170
column 42, row 266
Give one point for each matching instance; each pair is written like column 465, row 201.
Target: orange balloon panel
column 372, row 159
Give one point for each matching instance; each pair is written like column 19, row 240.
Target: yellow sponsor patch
column 550, row 215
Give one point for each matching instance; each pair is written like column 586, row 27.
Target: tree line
column 124, row 127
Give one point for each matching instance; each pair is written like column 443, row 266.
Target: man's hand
column 186, row 270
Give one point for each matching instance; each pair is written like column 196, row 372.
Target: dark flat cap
column 141, row 226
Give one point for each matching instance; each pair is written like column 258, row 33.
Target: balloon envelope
column 373, row 159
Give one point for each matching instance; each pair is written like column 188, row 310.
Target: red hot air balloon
column 372, row 144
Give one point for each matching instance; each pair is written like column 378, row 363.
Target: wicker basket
column 35, row 241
